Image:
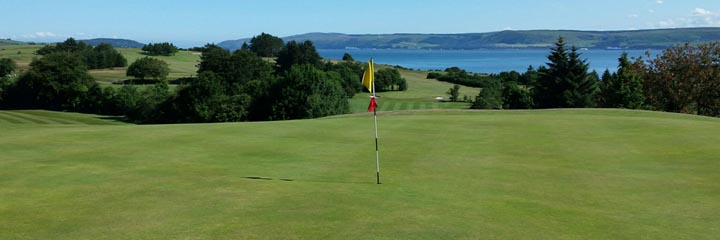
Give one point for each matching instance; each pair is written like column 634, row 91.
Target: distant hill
column 632, row 39
column 118, row 43
column 6, row 42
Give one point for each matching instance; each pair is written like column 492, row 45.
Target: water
column 479, row 61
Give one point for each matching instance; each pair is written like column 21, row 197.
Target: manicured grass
column 421, row 94
column 49, row 117
column 447, row 174
column 182, row 64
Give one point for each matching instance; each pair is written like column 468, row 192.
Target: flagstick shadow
column 304, row 180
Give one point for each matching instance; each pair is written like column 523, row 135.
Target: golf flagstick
column 377, row 151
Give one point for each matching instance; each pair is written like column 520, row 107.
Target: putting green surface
column 554, row 174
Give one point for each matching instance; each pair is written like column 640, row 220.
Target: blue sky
column 197, row 22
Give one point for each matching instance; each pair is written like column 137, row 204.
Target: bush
column 433, row 75
column 307, row 92
column 148, row 67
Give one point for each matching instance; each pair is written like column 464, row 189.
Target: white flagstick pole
column 377, row 152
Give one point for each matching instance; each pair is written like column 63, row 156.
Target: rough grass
column 552, row 174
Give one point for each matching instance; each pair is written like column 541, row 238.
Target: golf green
column 447, row 174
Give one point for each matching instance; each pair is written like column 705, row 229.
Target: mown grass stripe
column 428, row 105
column 9, row 119
column 27, row 118
column 417, row 105
column 50, row 118
column 403, row 106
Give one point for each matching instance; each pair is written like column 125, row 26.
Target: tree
column 489, row 97
column 266, row 45
column 148, row 67
column 214, row 59
column 350, row 75
column 307, row 92
column 57, row 81
column 294, row 53
column 565, row 82
column 147, row 108
column 516, row 96
column 348, row 57
column 102, row 56
column 7, row 66
column 164, row 49
column 685, row 79
column 454, row 93
column 625, row 88
column 389, row 79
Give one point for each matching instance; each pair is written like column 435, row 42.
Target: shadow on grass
column 303, row 180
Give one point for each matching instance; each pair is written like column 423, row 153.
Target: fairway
column 548, row 174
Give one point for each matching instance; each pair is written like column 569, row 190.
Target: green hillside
column 554, row 174
column 115, row 42
column 9, row 42
column 421, row 95
column 631, row 39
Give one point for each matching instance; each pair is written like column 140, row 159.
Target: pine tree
column 565, row 82
column 623, row 89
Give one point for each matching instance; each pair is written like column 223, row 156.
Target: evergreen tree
column 625, row 88
column 565, row 82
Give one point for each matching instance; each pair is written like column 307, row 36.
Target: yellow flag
column 369, row 76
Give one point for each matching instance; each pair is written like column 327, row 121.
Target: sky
column 193, row 23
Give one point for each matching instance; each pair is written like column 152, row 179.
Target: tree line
column 683, row 79
column 160, row 49
column 230, row 86
column 101, row 56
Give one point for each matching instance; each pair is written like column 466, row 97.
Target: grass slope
column 553, row 174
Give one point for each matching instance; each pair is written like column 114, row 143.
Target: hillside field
column 447, row 174
column 421, row 95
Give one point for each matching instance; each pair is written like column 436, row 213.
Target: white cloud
column 45, row 34
column 633, row 16
column 699, row 17
column 702, row 12
column 659, row 1
column 651, row 10
column 39, row 35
